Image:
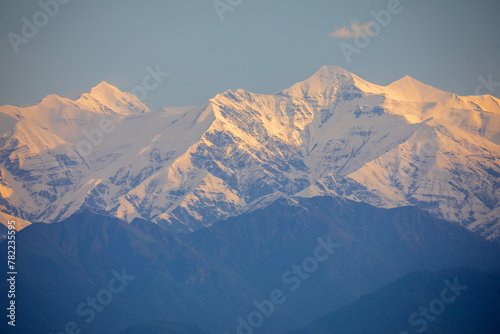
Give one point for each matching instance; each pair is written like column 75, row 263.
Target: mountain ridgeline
column 333, row 134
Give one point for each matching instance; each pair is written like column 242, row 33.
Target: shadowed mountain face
column 454, row 301
column 151, row 275
column 106, row 275
column 332, row 134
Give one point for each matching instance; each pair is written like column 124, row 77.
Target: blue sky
column 259, row 45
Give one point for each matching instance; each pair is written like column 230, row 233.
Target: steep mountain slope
column 332, row 134
column 213, row 276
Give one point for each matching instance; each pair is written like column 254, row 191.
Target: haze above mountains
column 334, row 134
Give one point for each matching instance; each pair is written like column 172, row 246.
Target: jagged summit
column 410, row 89
column 102, row 99
column 331, row 72
column 107, row 99
column 325, row 83
column 52, row 100
column 103, row 90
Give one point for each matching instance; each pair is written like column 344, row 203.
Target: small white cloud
column 355, row 30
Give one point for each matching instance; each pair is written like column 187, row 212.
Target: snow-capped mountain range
column 332, row 134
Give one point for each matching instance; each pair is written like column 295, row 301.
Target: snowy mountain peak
column 329, row 84
column 410, row 89
column 324, row 79
column 103, row 89
column 331, row 72
column 107, row 99
column 52, row 100
column 408, row 80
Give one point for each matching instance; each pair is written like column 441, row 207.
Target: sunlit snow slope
column 402, row 144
